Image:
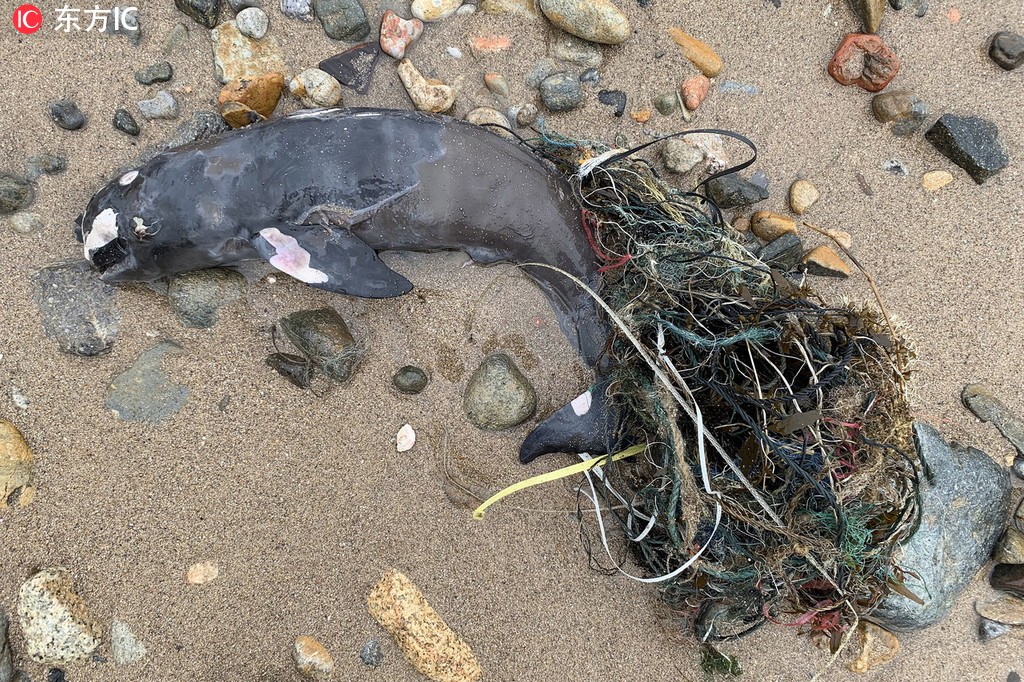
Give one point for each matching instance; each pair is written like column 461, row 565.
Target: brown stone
column 238, row 115
column 16, row 489
column 877, row 647
column 312, row 659
column 427, row 94
column 239, row 56
column 695, row 91
column 802, row 195
column 824, row 262
column 770, row 226
column 259, row 94
column 870, row 13
column 425, row 639
column 642, row 116
column 698, row 52
column 864, row 60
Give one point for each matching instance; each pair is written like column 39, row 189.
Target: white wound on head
column 128, row 178
column 291, row 258
column 104, row 231
column 581, row 403
column 140, row 227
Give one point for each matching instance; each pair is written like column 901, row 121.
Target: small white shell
column 405, row 439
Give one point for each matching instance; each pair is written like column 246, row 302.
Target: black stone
column 15, row 194
column 990, row 629
column 410, row 379
column 354, row 67
column 783, row 253
column 1014, row 676
column 371, row 654
column 294, row 368
column 731, row 191
column 561, row 92
column 161, row 72
column 54, row 675
column 342, row 19
column 613, row 98
column 1008, row 578
column 126, row 123
column 970, row 142
column 897, row 4
column 204, row 12
column 67, row 115
column 1007, row 49
column 590, row 77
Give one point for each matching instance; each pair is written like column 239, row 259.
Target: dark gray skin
column 342, row 184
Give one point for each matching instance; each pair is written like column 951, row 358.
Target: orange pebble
column 489, row 44
column 953, row 15
column 642, row 116
column 695, row 91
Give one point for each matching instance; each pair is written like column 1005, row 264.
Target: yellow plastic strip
column 564, row 472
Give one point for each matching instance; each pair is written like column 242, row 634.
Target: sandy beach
column 301, row 499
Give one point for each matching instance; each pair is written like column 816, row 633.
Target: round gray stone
column 498, row 395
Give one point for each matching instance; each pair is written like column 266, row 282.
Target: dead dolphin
column 317, row 193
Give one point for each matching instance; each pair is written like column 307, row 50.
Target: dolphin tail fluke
column 587, row 424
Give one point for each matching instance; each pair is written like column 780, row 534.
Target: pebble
column 312, row 659
column 982, row 401
column 1005, row 610
column 878, row 645
column 737, row 88
column 434, row 10
column 489, row 44
column 1008, row 578
column 371, row 654
column 568, row 48
column 238, row 56
column 163, row 106
column 769, row 226
column 397, row 34
column 253, row 22
column 15, row 194
column 406, row 438
column 667, row 103
column 67, row 115
column 17, row 487
column 316, row 88
column 591, row 77
column 1018, row 467
column 963, row 513
column 730, row 191
column 295, row 368
column 712, row 145
column 454, row 52
column 426, row 94
column 410, row 380
column 782, row 253
column 695, row 90
column 77, row 308
column 161, row 72
column 486, row 115
column 55, row 675
column 970, row 142
column 1010, row 549
column 498, row 395
column 197, row 296
column 24, row 222
column 354, row 68
column 48, row 164
column 615, row 99
column 541, row 70
column 126, row 123
column 55, row 621
column 680, row 157
column 202, row 573
column 802, row 195
column 896, row 167
column 864, row 60
column 561, row 92
column 698, row 52
column 870, row 13
column 902, row 108
column 323, row 337
column 200, row 126
column 465, row 10
column 1007, row 49
column 641, row 116
column 175, row 39
column 342, row 19
column 203, row 12
column 144, row 392
column 259, row 95
column 429, row 645
column 525, row 115
column 497, row 84
column 239, row 5
column 516, row 8
column 990, row 629
column 297, row 9
column 239, row 115
column 936, row 180
column 125, row 647
column 598, row 21
column 823, row 261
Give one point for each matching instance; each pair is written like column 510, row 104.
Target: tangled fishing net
column 779, row 474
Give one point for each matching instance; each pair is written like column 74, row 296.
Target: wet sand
column 302, row 500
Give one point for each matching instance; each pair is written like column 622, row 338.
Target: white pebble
column 405, row 439
column 252, row 22
column 465, row 10
column 21, row 400
column 455, row 52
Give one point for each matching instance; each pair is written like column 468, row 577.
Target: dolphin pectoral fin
column 584, row 425
column 331, row 259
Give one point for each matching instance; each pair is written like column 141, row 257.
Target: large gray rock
column 78, row 309
column 144, row 392
column 963, row 513
column 499, row 396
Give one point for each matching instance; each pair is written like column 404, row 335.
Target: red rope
column 589, row 221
